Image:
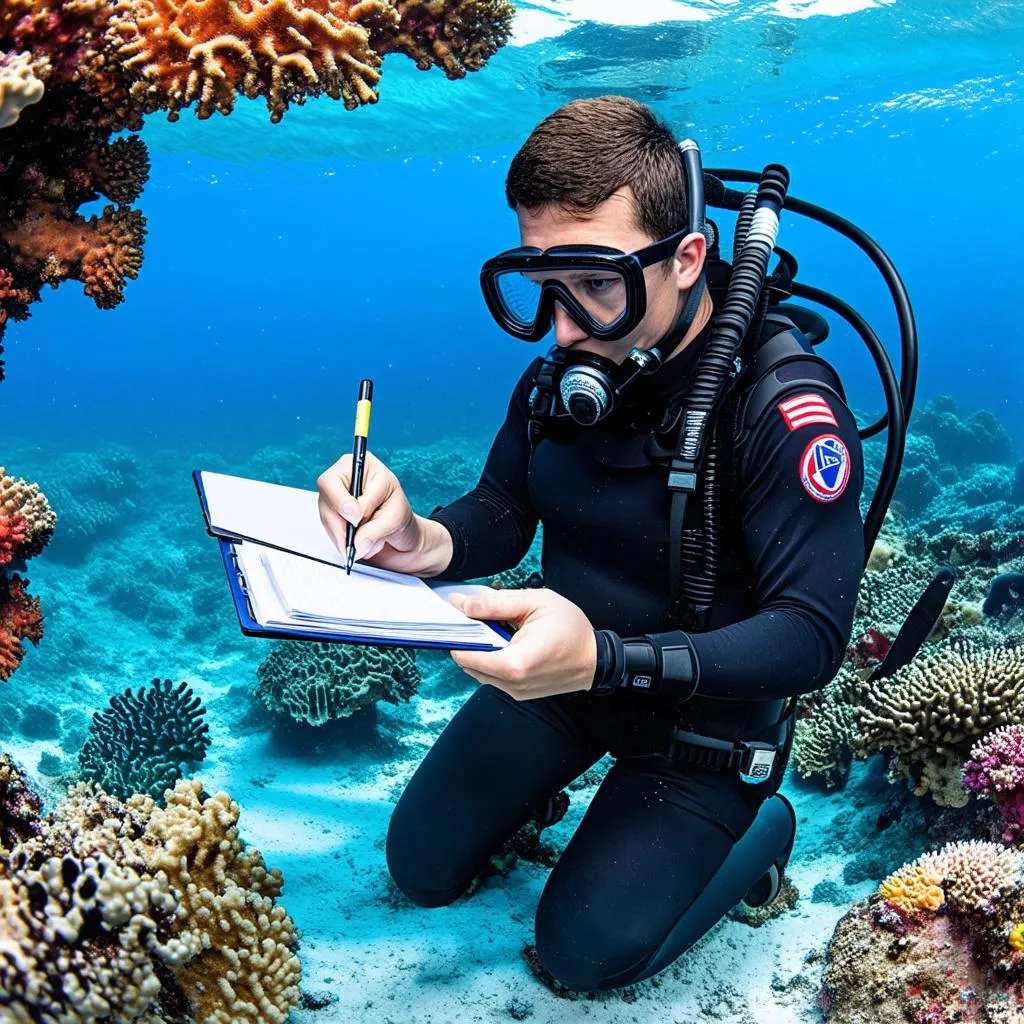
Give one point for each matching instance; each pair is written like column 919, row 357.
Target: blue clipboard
column 250, row 627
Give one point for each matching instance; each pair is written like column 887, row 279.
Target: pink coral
column 996, row 769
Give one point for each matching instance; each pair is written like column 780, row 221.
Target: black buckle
column 754, row 760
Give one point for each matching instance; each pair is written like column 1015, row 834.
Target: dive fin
column 918, row 624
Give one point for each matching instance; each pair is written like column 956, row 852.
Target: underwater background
column 282, row 262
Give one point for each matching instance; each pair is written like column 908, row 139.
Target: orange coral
column 456, row 36
column 101, row 252
column 207, row 51
column 21, row 618
column 914, row 887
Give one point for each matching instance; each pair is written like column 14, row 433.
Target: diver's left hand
column 553, row 650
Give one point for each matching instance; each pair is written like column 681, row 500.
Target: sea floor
column 322, row 816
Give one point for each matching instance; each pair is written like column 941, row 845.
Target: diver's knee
column 588, row 952
column 425, row 876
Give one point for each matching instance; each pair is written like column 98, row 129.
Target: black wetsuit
column 791, row 559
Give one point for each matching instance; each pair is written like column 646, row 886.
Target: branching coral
column 457, row 36
column 930, row 713
column 316, row 682
column 20, row 806
column 19, row 86
column 139, row 744
column 21, row 618
column 996, row 768
column 208, row 51
column 125, row 911
column 826, row 728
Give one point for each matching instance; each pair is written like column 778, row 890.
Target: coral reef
column 928, row 715
column 962, row 441
column 125, row 911
column 826, row 728
column 937, row 942
column 75, row 72
column 140, row 742
column 319, row 682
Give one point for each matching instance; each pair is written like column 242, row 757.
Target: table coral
column 140, row 742
column 930, row 713
column 457, row 36
column 318, row 682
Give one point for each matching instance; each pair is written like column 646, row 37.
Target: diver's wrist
column 610, row 666
column 436, row 547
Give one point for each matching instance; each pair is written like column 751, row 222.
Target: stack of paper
column 295, row 581
column 290, row 590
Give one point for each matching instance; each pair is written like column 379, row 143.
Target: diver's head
column 605, row 177
column 614, row 224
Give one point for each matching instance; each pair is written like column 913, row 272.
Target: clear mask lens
column 601, row 293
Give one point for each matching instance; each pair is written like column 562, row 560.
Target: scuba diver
column 697, row 473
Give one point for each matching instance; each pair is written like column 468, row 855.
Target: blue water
column 285, row 262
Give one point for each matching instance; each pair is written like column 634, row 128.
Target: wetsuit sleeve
column 800, row 483
column 493, row 525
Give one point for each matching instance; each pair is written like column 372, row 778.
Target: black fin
column 918, row 624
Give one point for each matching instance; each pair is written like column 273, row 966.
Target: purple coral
column 996, row 769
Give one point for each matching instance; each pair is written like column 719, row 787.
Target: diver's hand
column 553, row 651
column 389, row 535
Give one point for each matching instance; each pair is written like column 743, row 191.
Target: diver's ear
column 688, row 261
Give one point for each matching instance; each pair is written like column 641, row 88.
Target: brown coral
column 209, row 51
column 101, row 252
column 247, row 972
column 454, row 35
column 21, row 618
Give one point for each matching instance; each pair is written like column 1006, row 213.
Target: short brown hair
column 578, row 156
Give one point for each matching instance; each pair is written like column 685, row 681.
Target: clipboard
column 250, row 627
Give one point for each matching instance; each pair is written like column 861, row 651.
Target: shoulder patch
column 825, row 468
column 806, row 408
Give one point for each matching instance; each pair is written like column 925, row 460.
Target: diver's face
column 613, row 224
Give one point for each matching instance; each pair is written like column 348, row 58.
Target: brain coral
column 929, row 714
column 139, row 744
column 128, row 911
column 318, row 682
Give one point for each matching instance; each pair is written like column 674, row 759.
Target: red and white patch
column 803, row 410
column 825, row 468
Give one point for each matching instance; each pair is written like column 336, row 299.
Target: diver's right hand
column 389, row 535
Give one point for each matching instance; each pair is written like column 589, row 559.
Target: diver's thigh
column 491, row 768
column 639, row 858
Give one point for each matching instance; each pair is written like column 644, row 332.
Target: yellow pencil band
column 363, row 417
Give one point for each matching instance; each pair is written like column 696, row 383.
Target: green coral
column 318, row 682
